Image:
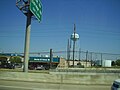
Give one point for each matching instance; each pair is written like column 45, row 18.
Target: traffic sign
column 36, row 8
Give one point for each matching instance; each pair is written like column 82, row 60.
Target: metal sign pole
column 27, row 41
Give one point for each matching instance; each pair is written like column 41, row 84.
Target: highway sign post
column 36, row 8
column 27, row 42
column 29, row 8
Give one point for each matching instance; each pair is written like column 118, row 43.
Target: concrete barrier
column 61, row 78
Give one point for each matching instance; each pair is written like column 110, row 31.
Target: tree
column 113, row 63
column 117, row 62
column 15, row 59
column 79, row 64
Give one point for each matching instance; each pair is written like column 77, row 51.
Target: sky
column 97, row 23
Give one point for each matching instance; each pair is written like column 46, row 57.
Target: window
column 115, row 85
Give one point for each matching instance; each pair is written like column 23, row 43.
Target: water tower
column 74, row 38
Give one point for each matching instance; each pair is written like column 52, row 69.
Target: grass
column 21, row 70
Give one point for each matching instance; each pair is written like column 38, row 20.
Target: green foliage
column 117, row 62
column 113, row 63
column 79, row 64
column 15, row 59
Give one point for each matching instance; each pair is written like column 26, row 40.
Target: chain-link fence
column 86, row 57
column 80, row 55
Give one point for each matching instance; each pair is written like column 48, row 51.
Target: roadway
column 21, row 85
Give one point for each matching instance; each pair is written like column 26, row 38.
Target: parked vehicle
column 7, row 65
column 31, row 67
column 40, row 67
column 116, row 85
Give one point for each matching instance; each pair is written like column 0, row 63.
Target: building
column 44, row 62
column 64, row 63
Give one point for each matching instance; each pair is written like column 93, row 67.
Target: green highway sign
column 36, row 8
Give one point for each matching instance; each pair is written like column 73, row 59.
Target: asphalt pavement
column 20, row 85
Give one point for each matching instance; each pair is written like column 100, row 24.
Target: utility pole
column 101, row 60
column 86, row 57
column 51, row 58
column 74, row 45
column 74, row 37
column 68, row 52
column 91, row 59
column 79, row 54
column 27, row 41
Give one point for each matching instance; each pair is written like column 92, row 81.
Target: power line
column 65, row 29
column 62, row 51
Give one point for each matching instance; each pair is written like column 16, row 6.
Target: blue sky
column 97, row 23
